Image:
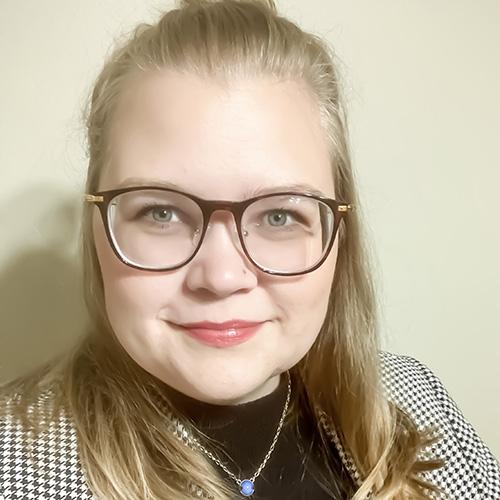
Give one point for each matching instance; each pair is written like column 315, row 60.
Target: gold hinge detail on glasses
column 345, row 208
column 93, row 198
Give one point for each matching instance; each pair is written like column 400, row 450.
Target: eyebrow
column 142, row 181
column 298, row 187
column 250, row 193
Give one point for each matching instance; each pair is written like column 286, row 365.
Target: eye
column 278, row 218
column 162, row 214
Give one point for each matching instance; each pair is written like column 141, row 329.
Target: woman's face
column 225, row 144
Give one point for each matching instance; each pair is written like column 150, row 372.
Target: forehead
column 217, row 141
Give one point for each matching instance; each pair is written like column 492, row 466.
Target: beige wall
column 422, row 82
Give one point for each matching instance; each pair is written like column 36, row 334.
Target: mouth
column 223, row 334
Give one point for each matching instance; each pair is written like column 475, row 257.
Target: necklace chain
column 195, row 441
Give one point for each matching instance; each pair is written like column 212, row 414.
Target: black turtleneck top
column 244, row 434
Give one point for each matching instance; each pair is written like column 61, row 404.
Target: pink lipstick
column 224, row 334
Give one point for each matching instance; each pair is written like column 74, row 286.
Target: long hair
column 118, row 408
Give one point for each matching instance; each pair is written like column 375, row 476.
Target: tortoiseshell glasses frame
column 103, row 199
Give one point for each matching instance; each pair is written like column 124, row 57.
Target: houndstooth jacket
column 471, row 470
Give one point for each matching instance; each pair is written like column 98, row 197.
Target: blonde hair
column 118, row 408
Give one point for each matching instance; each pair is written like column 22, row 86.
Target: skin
column 217, row 143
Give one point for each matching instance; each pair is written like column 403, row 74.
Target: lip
column 225, row 334
column 233, row 323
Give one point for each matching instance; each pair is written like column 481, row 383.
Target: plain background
column 421, row 81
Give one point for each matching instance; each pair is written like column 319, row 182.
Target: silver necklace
column 247, row 486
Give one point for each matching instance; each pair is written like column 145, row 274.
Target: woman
column 233, row 348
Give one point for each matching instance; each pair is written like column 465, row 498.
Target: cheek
column 112, row 270
column 314, row 289
column 130, row 294
column 304, row 301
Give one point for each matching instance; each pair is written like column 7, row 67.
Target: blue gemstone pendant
column 247, row 488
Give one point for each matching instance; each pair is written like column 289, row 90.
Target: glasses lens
column 287, row 234
column 153, row 228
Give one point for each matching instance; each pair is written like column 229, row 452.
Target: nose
column 221, row 266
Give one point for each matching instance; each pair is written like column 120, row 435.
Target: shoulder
column 42, row 465
column 471, row 470
column 413, row 387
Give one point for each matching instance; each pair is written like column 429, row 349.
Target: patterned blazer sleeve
column 51, row 471
column 471, row 470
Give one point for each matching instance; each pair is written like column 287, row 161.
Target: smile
column 225, row 334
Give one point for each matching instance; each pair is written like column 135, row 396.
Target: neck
column 212, row 415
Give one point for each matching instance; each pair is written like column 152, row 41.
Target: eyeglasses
column 161, row 229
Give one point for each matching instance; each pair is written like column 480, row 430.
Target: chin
column 222, row 399
column 223, row 395
column 237, row 394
